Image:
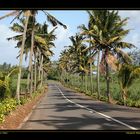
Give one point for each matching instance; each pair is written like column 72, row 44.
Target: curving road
column 63, row 109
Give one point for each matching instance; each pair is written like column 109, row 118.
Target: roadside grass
column 76, row 83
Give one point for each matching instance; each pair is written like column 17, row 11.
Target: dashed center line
column 108, row 118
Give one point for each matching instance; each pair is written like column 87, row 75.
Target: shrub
column 9, row 104
column 120, row 102
column 103, row 98
column 130, row 103
column 6, row 106
column 137, row 103
column 23, row 100
column 1, row 118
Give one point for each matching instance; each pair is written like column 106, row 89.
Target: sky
column 71, row 18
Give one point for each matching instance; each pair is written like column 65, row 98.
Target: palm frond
column 53, row 20
column 14, row 13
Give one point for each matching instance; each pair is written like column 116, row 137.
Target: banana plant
column 127, row 74
column 5, row 79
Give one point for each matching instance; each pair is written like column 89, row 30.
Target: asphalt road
column 63, row 109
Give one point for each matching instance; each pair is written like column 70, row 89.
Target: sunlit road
column 63, row 109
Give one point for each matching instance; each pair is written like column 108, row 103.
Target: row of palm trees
column 101, row 39
column 35, row 40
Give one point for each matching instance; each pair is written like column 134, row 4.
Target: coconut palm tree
column 44, row 44
column 74, row 60
column 28, row 13
column 94, row 51
column 43, row 41
column 107, row 33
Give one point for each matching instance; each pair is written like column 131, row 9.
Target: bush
column 6, row 106
column 9, row 104
column 103, row 98
column 24, row 100
column 120, row 102
column 1, row 118
column 130, row 103
column 137, row 103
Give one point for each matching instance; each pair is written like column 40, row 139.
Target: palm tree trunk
column 91, row 79
column 41, row 68
column 21, row 58
column 86, row 82
column 29, row 82
column 107, row 77
column 42, row 77
column 91, row 71
column 98, row 76
column 124, row 95
column 35, row 76
column 39, row 72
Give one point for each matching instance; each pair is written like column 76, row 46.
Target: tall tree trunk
column 91, row 79
column 124, row 94
column 91, row 71
column 98, row 76
column 41, row 68
column 39, row 72
column 30, row 82
column 107, row 77
column 86, row 82
column 82, row 77
column 35, row 74
column 42, row 77
column 21, row 58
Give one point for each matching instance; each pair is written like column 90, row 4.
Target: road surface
column 63, row 109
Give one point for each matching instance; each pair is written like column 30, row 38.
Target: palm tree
column 21, row 57
column 127, row 74
column 74, row 60
column 107, row 33
column 93, row 48
column 42, row 42
column 28, row 13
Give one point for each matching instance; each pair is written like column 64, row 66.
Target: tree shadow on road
column 86, row 122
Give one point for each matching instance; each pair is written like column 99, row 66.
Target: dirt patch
column 16, row 117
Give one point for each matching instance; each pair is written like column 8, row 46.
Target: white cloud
column 133, row 38
column 133, row 15
column 134, row 26
column 61, row 41
column 130, row 13
column 62, row 34
column 5, row 32
column 8, row 52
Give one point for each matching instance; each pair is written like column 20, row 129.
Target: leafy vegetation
column 6, row 106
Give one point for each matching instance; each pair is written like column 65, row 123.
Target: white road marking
column 80, row 105
column 91, row 111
